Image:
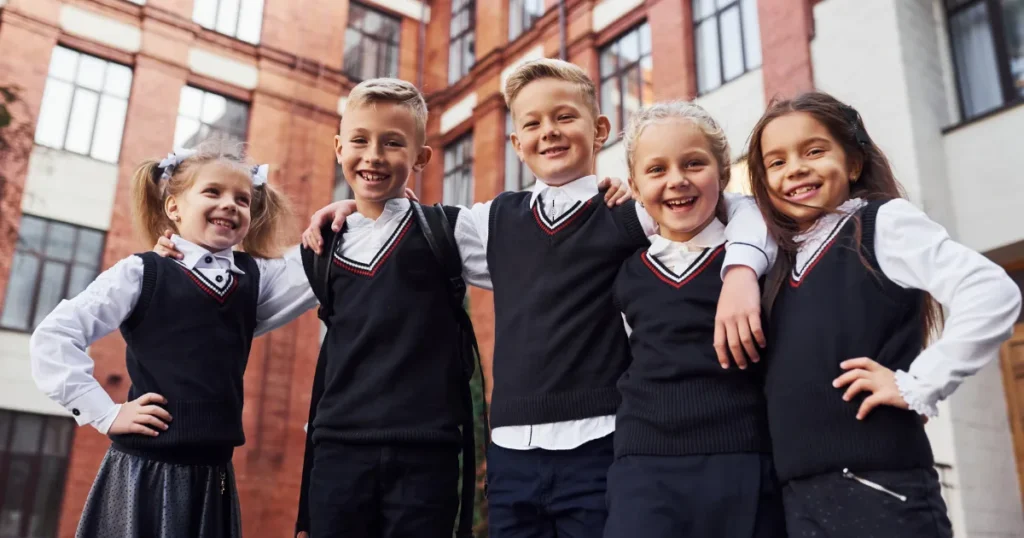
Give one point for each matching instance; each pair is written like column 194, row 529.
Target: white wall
column 17, row 390
column 611, row 162
column 70, row 187
column 737, row 106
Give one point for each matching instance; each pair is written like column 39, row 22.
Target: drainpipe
column 562, row 54
column 421, row 36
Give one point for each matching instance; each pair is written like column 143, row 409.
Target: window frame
column 522, row 14
column 391, row 49
column 618, row 76
column 241, row 136
column 717, row 15
column 470, row 30
column 75, row 86
column 43, row 260
column 28, row 501
column 238, row 19
column 1010, row 96
column 460, row 170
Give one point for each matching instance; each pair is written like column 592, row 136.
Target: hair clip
column 858, row 129
column 259, row 175
column 172, row 161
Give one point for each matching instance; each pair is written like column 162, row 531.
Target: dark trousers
column 833, row 506
column 700, row 496
column 548, row 493
column 385, row 491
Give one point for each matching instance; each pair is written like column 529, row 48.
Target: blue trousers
column 548, row 493
column 701, row 496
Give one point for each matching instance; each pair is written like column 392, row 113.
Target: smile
column 803, row 190
column 373, row 177
column 223, row 223
column 555, row 151
column 679, row 204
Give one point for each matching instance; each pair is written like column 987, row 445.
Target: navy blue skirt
column 138, row 497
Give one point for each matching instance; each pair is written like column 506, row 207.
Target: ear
column 517, row 145
column 422, row 158
column 171, row 208
column 856, row 168
column 602, row 130
column 632, row 186
column 337, row 148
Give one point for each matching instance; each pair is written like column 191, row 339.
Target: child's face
column 676, row 177
column 378, row 148
column 808, row 171
column 556, row 134
column 214, row 211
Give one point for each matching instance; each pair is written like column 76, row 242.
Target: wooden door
column 1011, row 359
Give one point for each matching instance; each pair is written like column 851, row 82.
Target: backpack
column 438, row 233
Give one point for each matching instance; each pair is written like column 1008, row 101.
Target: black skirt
column 139, row 497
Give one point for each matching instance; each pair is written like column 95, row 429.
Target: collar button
column 208, row 259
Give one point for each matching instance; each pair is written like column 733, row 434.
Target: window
column 462, row 45
column 371, row 44
column 242, row 19
column 517, row 175
column 727, row 41
column 458, row 172
column 626, row 77
column 342, row 191
column 987, row 37
column 84, row 105
column 521, row 16
column 33, row 463
column 203, row 115
column 52, row 261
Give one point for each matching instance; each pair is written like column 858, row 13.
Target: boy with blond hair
column 552, row 254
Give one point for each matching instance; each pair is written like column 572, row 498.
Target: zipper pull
column 872, row 485
column 223, row 482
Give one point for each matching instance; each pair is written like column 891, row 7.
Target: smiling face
column 556, row 133
column 677, row 177
column 214, row 211
column 378, row 148
column 808, row 172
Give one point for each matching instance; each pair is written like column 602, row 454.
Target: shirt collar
column 394, row 206
column 711, row 236
column 193, row 253
column 826, row 222
column 578, row 190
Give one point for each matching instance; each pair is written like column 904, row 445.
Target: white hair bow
column 259, row 175
column 172, row 161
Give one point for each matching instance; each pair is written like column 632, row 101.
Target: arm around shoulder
column 748, row 242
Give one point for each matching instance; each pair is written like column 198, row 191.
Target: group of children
column 700, row 421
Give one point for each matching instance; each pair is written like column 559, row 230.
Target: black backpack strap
column 441, row 238
column 318, row 271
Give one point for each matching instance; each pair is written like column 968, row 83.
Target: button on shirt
column 64, row 371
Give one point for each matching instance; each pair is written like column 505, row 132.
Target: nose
column 373, row 154
column 676, row 179
column 550, row 130
column 796, row 168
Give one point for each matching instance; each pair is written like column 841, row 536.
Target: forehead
column 672, row 136
column 228, row 175
column 544, row 94
column 379, row 117
column 792, row 128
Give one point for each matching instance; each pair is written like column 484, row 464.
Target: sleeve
column 285, row 294
column 61, row 368
column 746, row 236
column 981, row 301
column 471, row 229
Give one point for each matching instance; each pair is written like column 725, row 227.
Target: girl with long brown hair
column 848, row 376
column 188, row 326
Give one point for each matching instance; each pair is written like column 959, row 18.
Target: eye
column 566, row 117
column 816, row 151
column 775, row 162
column 530, row 124
column 694, row 164
column 358, row 140
column 394, row 144
column 242, row 201
column 656, row 169
column 213, row 191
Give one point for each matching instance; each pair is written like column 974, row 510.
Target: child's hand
column 166, row 248
column 738, row 320
column 335, row 212
column 616, row 191
column 141, row 416
column 864, row 374
column 302, row 534
column 410, row 194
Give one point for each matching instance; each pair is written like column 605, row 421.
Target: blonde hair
column 392, row 90
column 270, row 212
column 680, row 110
column 549, row 68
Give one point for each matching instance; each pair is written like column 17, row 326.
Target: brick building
column 107, row 83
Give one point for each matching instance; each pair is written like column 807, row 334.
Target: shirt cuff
column 104, row 423
column 746, row 255
column 91, row 407
column 913, row 392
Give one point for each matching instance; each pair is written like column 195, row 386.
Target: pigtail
column 147, row 191
column 271, row 223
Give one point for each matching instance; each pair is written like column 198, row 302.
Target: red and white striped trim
column 370, row 269
column 679, row 280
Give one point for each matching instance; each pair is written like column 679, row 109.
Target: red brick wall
column 786, row 30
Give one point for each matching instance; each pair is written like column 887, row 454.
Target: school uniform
column 552, row 254
column 843, row 477
column 188, row 326
column 692, row 449
column 385, row 431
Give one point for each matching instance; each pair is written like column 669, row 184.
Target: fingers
column 311, row 239
column 755, row 329
column 302, row 534
column 721, row 345
column 339, row 220
column 168, row 233
column 410, row 194
column 732, row 333
column 747, row 341
column 625, row 195
column 858, row 386
column 156, row 411
column 849, row 377
column 869, row 403
column 150, row 398
column 151, row 420
column 860, row 362
column 604, row 184
column 142, row 430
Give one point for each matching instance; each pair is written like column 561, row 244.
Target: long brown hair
column 875, row 182
column 269, row 211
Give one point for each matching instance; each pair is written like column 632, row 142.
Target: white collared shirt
column 677, row 256
column 749, row 245
column 63, row 370
column 981, row 301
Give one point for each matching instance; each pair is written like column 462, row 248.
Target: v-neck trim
column 220, row 291
column 370, row 268
column 553, row 226
column 800, row 272
column 677, row 281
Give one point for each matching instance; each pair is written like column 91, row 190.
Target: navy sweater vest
column 393, row 372
column 676, row 399
column 559, row 343
column 831, row 310
column 188, row 340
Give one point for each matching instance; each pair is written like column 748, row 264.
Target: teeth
column 370, row 176
column 680, row 202
column 801, row 190
column 224, row 223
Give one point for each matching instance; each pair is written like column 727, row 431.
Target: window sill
column 984, row 115
column 14, row 331
column 727, row 82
